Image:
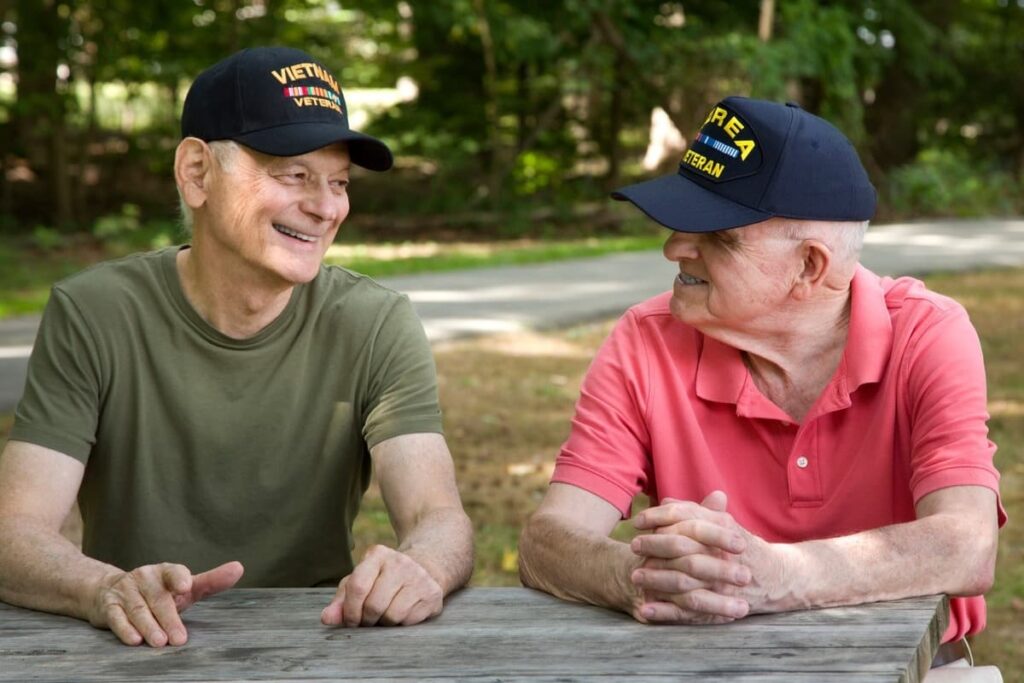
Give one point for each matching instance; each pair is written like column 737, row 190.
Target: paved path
column 513, row 298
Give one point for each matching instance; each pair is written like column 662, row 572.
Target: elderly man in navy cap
column 219, row 405
column 809, row 433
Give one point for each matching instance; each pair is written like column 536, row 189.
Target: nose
column 680, row 245
column 324, row 204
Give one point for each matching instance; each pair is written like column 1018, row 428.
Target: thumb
column 716, row 500
column 216, row 580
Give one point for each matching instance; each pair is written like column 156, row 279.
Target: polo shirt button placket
column 804, row 481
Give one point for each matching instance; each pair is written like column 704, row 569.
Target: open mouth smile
column 294, row 234
column 687, row 279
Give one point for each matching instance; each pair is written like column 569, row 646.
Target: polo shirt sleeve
column 60, row 406
column 607, row 450
column 945, row 379
column 402, row 380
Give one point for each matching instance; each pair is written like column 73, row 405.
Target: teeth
column 292, row 233
column 690, row 280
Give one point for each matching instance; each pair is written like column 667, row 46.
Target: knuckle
column 378, row 551
column 357, row 588
column 694, row 602
column 139, row 609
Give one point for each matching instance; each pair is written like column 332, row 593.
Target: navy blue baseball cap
column 279, row 101
column 754, row 160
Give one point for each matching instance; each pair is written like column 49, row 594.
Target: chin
column 685, row 314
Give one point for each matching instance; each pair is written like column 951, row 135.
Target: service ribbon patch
column 309, row 96
column 725, row 148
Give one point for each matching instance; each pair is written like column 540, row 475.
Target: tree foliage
column 518, row 101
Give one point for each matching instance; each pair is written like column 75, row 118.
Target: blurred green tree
column 518, row 102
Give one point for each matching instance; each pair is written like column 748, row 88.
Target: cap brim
column 295, row 139
column 685, row 206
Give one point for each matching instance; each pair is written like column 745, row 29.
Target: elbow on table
column 978, row 565
column 980, row 575
column 527, row 554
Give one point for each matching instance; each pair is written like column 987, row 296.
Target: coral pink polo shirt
column 670, row 412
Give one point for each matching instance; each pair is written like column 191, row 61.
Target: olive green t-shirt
column 201, row 449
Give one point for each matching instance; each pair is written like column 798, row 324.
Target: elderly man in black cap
column 219, row 405
column 809, row 434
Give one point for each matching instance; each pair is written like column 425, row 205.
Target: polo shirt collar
column 869, row 341
column 723, row 377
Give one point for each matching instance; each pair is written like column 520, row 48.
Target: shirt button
column 801, row 462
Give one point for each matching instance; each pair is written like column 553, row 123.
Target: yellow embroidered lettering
column 717, row 170
column 746, row 147
column 717, row 116
column 733, row 127
column 281, row 76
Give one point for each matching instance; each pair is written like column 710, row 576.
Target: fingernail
column 648, row 612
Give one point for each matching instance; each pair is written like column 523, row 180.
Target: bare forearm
column 40, row 569
column 442, row 542
column 577, row 565
column 938, row 554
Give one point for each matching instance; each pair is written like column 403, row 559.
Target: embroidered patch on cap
column 724, row 149
column 310, row 96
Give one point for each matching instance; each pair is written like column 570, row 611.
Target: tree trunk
column 766, row 20
column 613, row 148
column 490, row 83
column 39, row 110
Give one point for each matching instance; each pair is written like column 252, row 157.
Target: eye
column 339, row 185
column 292, row 177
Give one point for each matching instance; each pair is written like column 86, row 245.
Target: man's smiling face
column 733, row 281
column 276, row 216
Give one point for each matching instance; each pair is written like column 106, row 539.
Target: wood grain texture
column 484, row 634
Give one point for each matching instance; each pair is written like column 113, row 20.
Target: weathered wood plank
column 484, row 634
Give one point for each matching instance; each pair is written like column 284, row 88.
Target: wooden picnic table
column 484, row 634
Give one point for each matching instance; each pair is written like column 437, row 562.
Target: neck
column 234, row 302
column 793, row 360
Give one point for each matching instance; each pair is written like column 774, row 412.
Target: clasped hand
column 699, row 565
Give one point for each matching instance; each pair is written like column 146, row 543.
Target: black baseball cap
column 279, row 101
column 753, row 160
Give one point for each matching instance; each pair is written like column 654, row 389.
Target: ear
column 192, row 171
column 815, row 263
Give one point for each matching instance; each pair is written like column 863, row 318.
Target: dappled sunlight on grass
column 526, row 345
column 1006, row 408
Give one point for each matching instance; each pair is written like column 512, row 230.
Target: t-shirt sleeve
column 63, row 391
column 949, row 410
column 608, row 445
column 402, row 391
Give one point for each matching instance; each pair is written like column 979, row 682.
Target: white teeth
column 291, row 233
column 690, row 280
